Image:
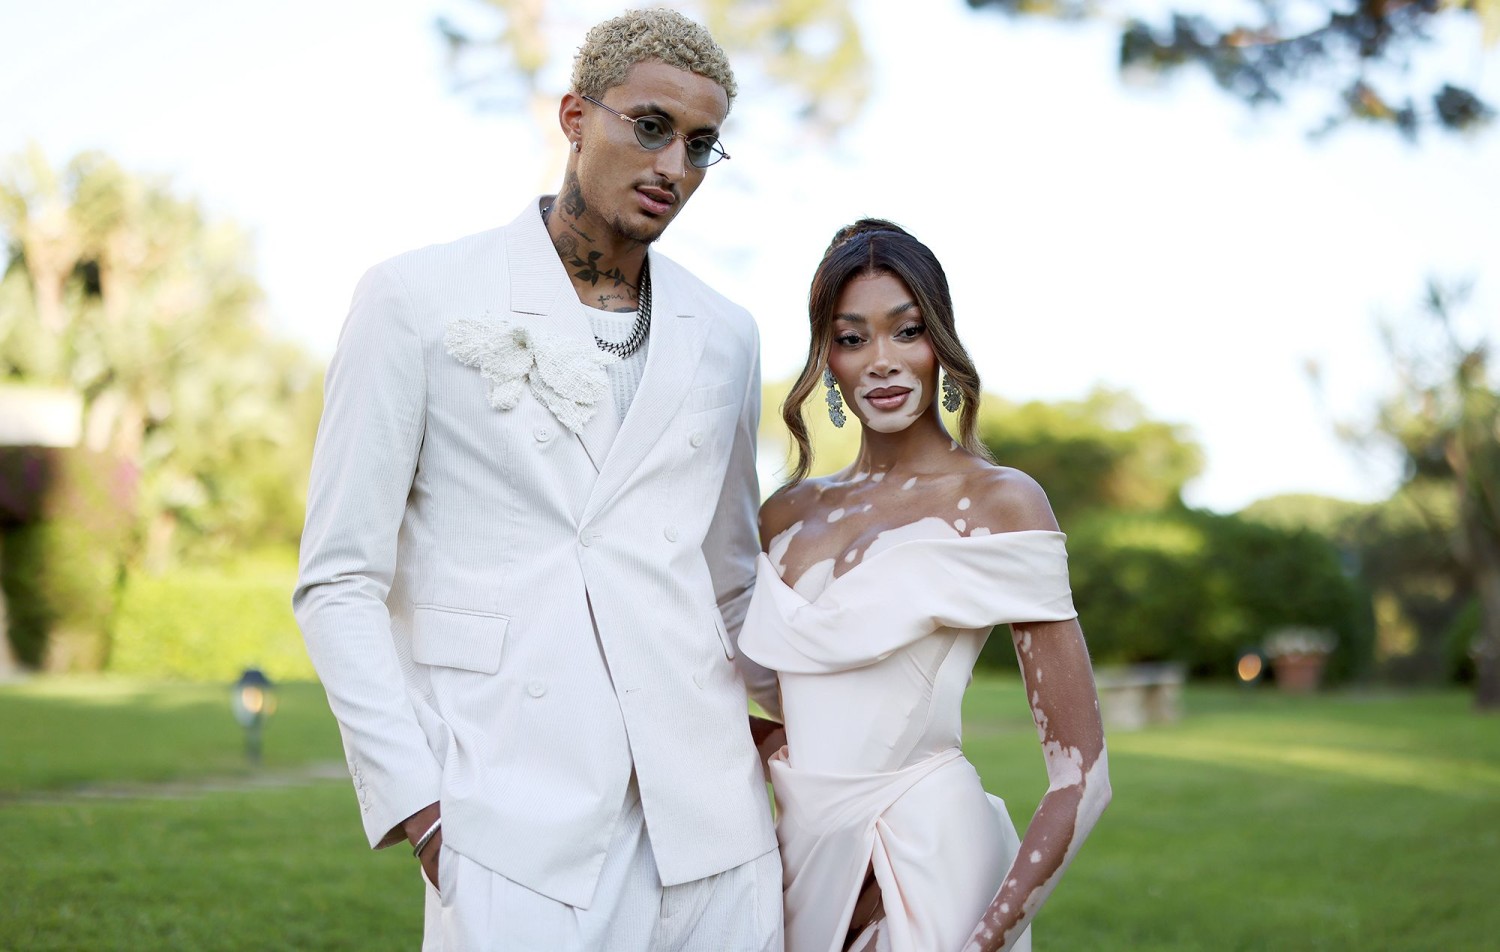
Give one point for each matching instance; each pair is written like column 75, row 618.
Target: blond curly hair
column 612, row 47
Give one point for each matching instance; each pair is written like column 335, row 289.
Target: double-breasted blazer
column 510, row 617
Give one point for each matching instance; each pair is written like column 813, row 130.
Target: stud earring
column 576, row 146
column 835, row 401
column 953, row 398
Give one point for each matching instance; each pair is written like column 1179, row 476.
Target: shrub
column 209, row 623
column 68, row 529
column 1197, row 587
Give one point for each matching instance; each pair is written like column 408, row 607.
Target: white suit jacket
column 509, row 617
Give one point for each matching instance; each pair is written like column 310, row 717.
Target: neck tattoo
column 642, row 326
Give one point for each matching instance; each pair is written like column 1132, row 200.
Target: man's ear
column 570, row 116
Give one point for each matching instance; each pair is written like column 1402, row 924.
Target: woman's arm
column 1060, row 686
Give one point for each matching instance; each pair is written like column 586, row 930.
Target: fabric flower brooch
column 565, row 373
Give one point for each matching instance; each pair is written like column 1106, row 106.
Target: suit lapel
column 539, row 286
column 676, row 344
column 538, row 283
column 599, row 433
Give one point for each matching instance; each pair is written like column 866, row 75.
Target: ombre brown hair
column 873, row 246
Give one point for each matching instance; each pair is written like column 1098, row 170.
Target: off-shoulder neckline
column 877, row 556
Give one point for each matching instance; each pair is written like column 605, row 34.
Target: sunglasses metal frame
column 716, row 148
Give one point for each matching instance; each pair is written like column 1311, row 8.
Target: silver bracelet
column 426, row 838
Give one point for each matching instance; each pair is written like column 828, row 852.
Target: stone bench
column 1140, row 695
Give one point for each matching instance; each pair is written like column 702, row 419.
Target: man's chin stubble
column 635, row 233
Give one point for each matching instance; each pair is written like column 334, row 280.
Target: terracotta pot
column 1299, row 673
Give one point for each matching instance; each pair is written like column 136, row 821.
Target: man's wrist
column 420, row 822
column 426, row 838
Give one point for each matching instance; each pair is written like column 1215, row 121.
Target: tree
column 1400, row 549
column 1101, row 452
column 1444, row 416
column 160, row 332
column 1360, row 52
column 1198, row 587
column 34, row 213
column 151, row 313
column 813, row 51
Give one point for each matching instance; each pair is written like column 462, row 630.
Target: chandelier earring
column 953, row 398
column 835, row 401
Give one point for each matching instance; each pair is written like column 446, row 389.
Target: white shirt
column 625, row 375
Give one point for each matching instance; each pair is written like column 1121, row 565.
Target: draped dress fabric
column 873, row 665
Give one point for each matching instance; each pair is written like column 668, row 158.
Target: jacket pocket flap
column 709, row 397
column 454, row 638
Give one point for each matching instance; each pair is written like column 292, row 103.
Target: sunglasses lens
column 652, row 133
column 703, row 152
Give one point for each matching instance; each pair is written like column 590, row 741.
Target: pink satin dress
column 873, row 666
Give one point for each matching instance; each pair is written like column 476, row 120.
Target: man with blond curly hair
column 530, row 543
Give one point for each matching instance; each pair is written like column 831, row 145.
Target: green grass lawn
column 58, row 733
column 1260, row 822
column 1269, row 822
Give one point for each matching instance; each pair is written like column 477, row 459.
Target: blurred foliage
column 1430, row 554
column 1400, row 550
column 1261, row 52
column 1443, row 414
column 60, row 568
column 1324, row 515
column 1198, row 587
column 1098, row 452
column 124, row 292
column 209, row 623
column 809, row 50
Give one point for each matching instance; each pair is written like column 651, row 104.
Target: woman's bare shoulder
column 1004, row 499
column 788, row 506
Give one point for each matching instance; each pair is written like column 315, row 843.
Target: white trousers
column 738, row 910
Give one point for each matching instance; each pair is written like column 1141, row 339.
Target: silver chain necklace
column 642, row 326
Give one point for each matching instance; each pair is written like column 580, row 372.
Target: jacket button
column 671, row 533
column 542, row 434
column 696, row 439
column 589, row 537
column 536, row 689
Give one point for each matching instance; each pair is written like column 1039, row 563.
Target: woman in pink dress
column 878, row 586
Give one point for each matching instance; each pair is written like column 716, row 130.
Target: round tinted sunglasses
column 654, row 132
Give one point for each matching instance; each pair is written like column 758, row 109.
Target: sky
column 1166, row 241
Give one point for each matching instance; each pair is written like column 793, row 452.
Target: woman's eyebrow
column 861, row 319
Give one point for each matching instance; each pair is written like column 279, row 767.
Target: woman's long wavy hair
column 874, row 246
